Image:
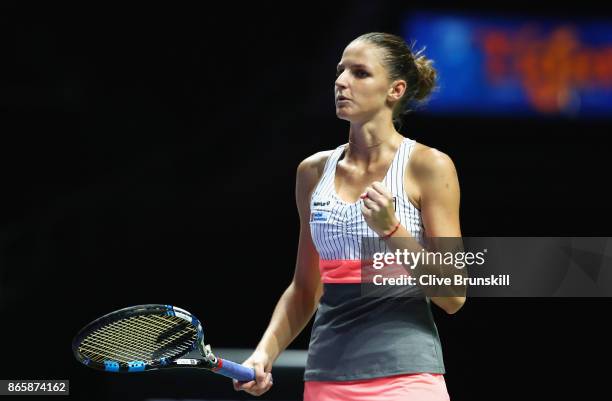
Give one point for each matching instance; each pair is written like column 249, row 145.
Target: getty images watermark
column 412, row 261
column 488, row 267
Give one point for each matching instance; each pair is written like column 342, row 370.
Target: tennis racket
column 149, row 337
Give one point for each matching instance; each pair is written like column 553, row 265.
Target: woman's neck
column 368, row 142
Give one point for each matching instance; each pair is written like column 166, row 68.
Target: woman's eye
column 357, row 73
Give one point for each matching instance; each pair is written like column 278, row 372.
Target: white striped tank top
column 356, row 337
column 337, row 227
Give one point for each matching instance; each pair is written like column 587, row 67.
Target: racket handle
column 235, row 371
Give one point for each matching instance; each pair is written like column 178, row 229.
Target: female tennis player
column 381, row 184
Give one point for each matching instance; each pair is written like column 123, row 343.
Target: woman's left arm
column 435, row 173
column 437, row 191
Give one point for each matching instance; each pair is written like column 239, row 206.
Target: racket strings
column 171, row 331
column 114, row 348
column 144, row 338
column 113, row 344
column 186, row 338
column 129, row 334
column 137, row 331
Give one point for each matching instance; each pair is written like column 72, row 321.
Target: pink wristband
column 392, row 231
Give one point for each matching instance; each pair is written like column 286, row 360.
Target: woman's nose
column 340, row 84
column 340, row 81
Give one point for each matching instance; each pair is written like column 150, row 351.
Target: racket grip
column 235, row 371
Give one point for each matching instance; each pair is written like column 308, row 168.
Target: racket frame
column 205, row 360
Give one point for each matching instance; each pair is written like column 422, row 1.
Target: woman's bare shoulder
column 308, row 175
column 425, row 161
column 311, row 168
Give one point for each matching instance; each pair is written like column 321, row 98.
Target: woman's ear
column 397, row 90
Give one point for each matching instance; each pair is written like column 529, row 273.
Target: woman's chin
column 343, row 117
column 342, row 114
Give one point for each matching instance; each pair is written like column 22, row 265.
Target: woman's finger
column 377, row 197
column 268, row 382
column 262, row 383
column 379, row 187
column 371, row 205
column 244, row 386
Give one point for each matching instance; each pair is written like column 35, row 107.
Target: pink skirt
column 412, row 387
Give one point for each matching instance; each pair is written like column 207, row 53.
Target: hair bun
column 427, row 76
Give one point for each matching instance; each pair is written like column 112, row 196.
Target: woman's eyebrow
column 353, row 65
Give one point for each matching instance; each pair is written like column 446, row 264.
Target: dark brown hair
column 402, row 62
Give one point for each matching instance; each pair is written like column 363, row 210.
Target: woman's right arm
column 299, row 301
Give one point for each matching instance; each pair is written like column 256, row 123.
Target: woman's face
column 362, row 85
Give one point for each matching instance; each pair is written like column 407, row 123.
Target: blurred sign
column 516, row 66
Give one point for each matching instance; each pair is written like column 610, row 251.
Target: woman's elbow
column 454, row 304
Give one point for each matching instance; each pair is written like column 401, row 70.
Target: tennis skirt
column 411, row 387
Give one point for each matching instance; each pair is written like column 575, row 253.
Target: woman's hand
column 377, row 209
column 259, row 361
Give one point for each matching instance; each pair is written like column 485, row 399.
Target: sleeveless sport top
column 355, row 337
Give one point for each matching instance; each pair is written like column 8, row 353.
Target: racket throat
column 209, row 357
column 203, row 358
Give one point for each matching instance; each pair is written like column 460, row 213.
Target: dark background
column 148, row 155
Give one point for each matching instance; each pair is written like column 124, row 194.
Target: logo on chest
column 319, row 216
column 321, row 210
